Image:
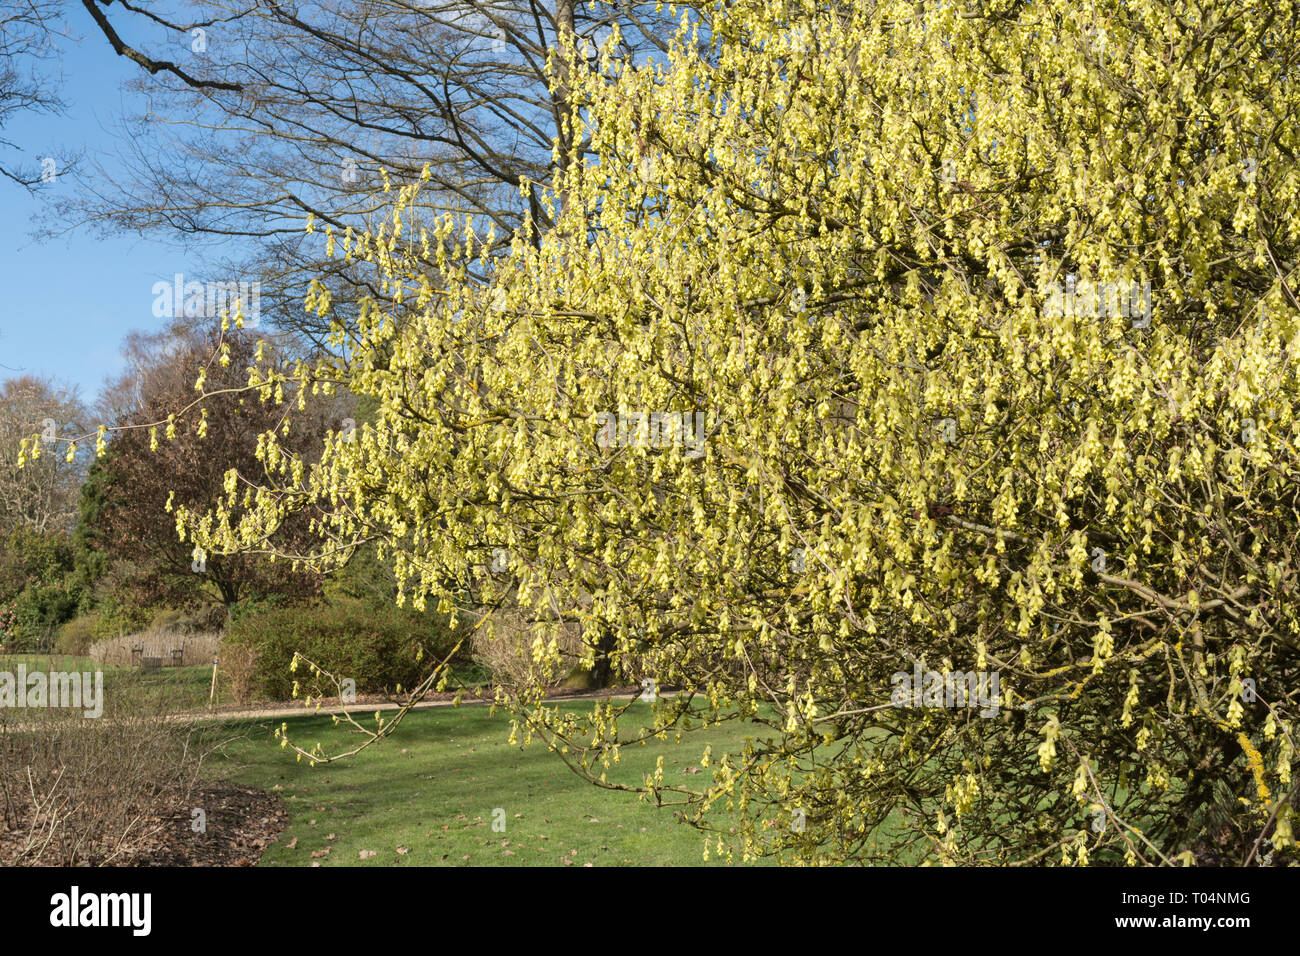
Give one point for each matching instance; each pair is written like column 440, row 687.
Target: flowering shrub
column 852, row 239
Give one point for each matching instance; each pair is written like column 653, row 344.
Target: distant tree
column 128, row 534
column 42, row 495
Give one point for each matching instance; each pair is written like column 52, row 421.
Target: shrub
column 378, row 647
column 258, row 604
column 28, row 556
column 76, row 636
column 41, row 608
column 206, row 618
column 115, row 617
column 8, row 624
column 979, row 383
column 168, row 619
column 81, row 791
column 239, row 665
column 38, row 586
column 503, row 647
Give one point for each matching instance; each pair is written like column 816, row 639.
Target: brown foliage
column 133, row 525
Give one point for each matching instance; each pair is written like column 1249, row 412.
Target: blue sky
column 68, row 302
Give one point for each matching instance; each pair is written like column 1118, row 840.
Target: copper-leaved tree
column 160, row 456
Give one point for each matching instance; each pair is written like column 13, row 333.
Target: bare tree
column 27, row 50
column 43, row 494
column 264, row 113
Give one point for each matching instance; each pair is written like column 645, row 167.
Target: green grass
column 430, row 790
column 178, row 688
column 181, row 688
column 47, row 662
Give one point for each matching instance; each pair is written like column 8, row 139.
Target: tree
column 26, row 29
column 38, row 589
column 127, row 535
column 260, row 113
column 42, row 497
column 980, row 333
column 38, row 507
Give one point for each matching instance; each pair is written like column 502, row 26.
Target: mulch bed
column 241, row 823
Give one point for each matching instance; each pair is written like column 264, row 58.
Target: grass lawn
column 426, row 796
column 180, row 688
column 176, row 688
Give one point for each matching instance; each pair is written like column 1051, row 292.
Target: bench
column 175, row 657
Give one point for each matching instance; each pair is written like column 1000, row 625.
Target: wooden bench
column 175, row 657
